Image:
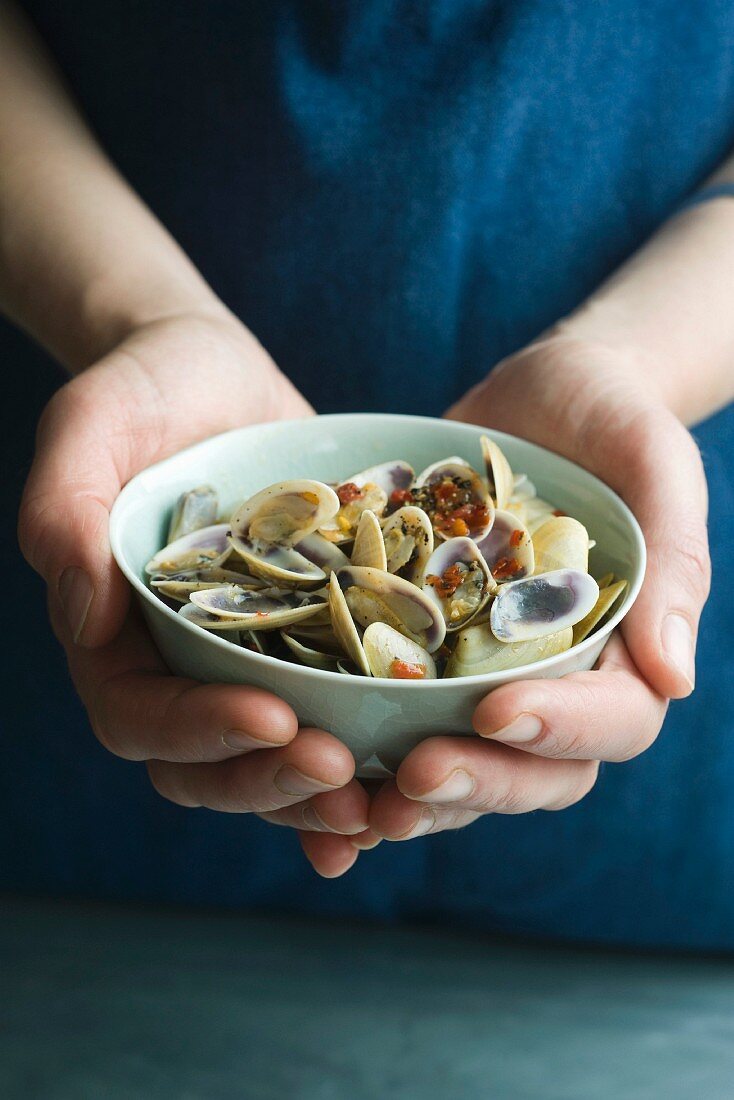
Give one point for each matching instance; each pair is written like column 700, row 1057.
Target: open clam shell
column 206, row 548
column 265, row 609
column 369, row 545
column 181, row 585
column 286, row 512
column 478, row 652
column 307, row 655
column 508, row 548
column 500, row 478
column 542, row 604
column 343, row 626
column 374, row 596
column 408, row 538
column 277, row 565
column 455, row 499
column 608, row 597
column 392, row 656
column 458, row 581
column 321, row 552
column 369, row 489
column 193, row 510
column 204, row 619
column 561, row 543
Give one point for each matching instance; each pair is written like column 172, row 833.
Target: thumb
column 64, row 514
column 665, row 486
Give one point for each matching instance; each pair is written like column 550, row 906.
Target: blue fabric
column 394, row 195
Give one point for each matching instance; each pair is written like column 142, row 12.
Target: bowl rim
column 488, row 679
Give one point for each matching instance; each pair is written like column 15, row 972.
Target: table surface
column 113, row 1002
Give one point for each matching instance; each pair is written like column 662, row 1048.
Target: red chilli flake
column 349, row 492
column 405, row 670
column 558, row 512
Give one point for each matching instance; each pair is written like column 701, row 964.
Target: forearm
column 82, row 260
column 670, row 309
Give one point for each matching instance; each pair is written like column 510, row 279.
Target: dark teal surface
column 123, row 1004
column 393, row 194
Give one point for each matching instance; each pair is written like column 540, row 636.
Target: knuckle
column 161, row 778
column 579, row 786
column 692, row 552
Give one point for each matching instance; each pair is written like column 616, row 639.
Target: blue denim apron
column 393, row 194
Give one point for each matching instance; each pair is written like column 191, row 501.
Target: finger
column 609, row 714
column 64, row 515
column 458, row 778
column 259, row 782
column 666, row 488
column 344, row 811
column 139, row 712
column 329, row 855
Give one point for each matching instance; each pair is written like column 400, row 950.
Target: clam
column 408, row 538
column 392, row 656
column 321, row 552
column 369, row 545
column 306, row 654
column 608, row 596
column 343, row 625
column 370, row 489
column 286, row 512
column 542, row 604
column 179, row 586
column 192, row 511
column 374, row 596
column 204, row 549
column 500, row 478
column 455, row 499
column 508, row 548
column 264, row 609
column 277, row 565
column 458, row 580
column 478, row 652
column 561, row 543
column 536, row 512
column 204, row 619
column 522, row 489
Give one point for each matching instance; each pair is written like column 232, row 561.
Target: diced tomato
column 448, row 582
column 515, row 539
column 406, row 670
column 349, row 492
column 558, row 512
column 505, row 568
column 399, row 497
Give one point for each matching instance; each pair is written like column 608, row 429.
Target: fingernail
column 678, row 646
column 239, row 741
column 423, row 825
column 457, row 787
column 75, row 593
column 289, row 780
column 526, row 727
column 311, row 820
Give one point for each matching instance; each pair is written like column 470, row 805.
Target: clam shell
column 408, row 538
column 369, row 545
column 608, row 596
column 561, row 543
column 477, row 651
column 286, row 512
column 277, row 565
column 265, row 609
column 453, row 469
column 508, row 548
column 499, row 473
column 193, row 510
column 196, row 552
column 321, row 552
column 343, row 626
column 307, row 655
column 387, row 649
column 374, row 596
column 204, row 619
column 542, row 604
column 180, row 587
column 474, row 589
column 522, row 489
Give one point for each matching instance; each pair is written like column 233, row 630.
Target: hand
column 229, row 748
column 540, row 740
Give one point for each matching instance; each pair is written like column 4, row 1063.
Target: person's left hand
column 540, row 741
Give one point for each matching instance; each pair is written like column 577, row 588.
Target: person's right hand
column 226, row 747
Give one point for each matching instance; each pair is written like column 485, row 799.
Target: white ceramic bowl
column 379, row 720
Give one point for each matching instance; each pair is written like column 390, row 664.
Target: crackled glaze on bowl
column 379, row 720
